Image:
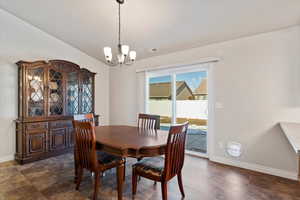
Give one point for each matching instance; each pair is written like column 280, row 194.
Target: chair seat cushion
column 150, row 166
column 108, row 159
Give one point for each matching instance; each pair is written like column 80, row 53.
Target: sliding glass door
column 191, row 106
column 160, row 99
column 181, row 96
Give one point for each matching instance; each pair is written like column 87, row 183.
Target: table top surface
column 292, row 132
column 130, row 137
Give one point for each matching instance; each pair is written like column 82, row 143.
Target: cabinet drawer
column 37, row 126
column 61, row 124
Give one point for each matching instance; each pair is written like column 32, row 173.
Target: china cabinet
column 50, row 94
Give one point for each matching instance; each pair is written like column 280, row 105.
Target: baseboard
column 196, row 154
column 256, row 167
column 6, row 158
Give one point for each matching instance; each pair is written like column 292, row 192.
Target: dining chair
column 89, row 117
column 90, row 160
column 163, row 169
column 149, row 121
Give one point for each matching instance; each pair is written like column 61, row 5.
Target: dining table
column 130, row 141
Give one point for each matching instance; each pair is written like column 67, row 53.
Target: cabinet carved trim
column 58, row 139
column 36, row 126
column 50, row 94
column 37, row 142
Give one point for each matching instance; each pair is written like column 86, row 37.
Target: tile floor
column 203, row 180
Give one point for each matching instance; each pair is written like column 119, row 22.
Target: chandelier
column 124, row 56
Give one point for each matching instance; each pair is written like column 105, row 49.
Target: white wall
column 21, row 41
column 258, row 83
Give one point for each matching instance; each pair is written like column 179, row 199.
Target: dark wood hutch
column 50, row 94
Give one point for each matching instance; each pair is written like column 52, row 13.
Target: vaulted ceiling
column 168, row 25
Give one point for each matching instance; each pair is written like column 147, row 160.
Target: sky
column 193, row 79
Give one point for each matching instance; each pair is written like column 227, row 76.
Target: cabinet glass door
column 87, row 94
column 36, row 97
column 56, row 97
column 72, row 93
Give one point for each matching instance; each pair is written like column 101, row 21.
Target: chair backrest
column 85, row 144
column 85, row 117
column 149, row 121
column 175, row 151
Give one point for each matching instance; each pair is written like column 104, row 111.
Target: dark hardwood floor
column 53, row 179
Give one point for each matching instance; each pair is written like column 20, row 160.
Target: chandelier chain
column 119, row 13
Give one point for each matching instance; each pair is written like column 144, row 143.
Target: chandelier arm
column 127, row 61
column 113, row 63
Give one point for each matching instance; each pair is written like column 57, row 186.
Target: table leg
column 120, row 180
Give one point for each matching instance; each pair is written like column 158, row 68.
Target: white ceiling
column 168, row 25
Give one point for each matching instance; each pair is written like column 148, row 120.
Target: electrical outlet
column 234, row 149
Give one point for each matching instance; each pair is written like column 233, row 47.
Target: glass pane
column 72, row 94
column 55, row 92
column 192, row 106
column 36, row 92
column 160, row 100
column 87, row 97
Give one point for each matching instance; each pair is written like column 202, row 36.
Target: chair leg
column 124, row 173
column 120, row 180
column 134, row 181
column 79, row 177
column 96, row 185
column 164, row 190
column 179, row 178
column 75, row 166
column 139, row 159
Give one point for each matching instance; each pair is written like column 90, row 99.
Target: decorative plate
column 53, row 85
column 54, row 97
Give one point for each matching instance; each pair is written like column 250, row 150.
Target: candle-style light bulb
column 125, row 50
column 132, row 55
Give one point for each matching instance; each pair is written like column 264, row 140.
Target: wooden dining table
column 130, row 141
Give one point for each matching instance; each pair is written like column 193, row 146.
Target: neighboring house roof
column 163, row 90
column 202, row 89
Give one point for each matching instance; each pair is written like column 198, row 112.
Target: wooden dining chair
column 89, row 117
column 149, row 121
column 89, row 159
column 163, row 169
